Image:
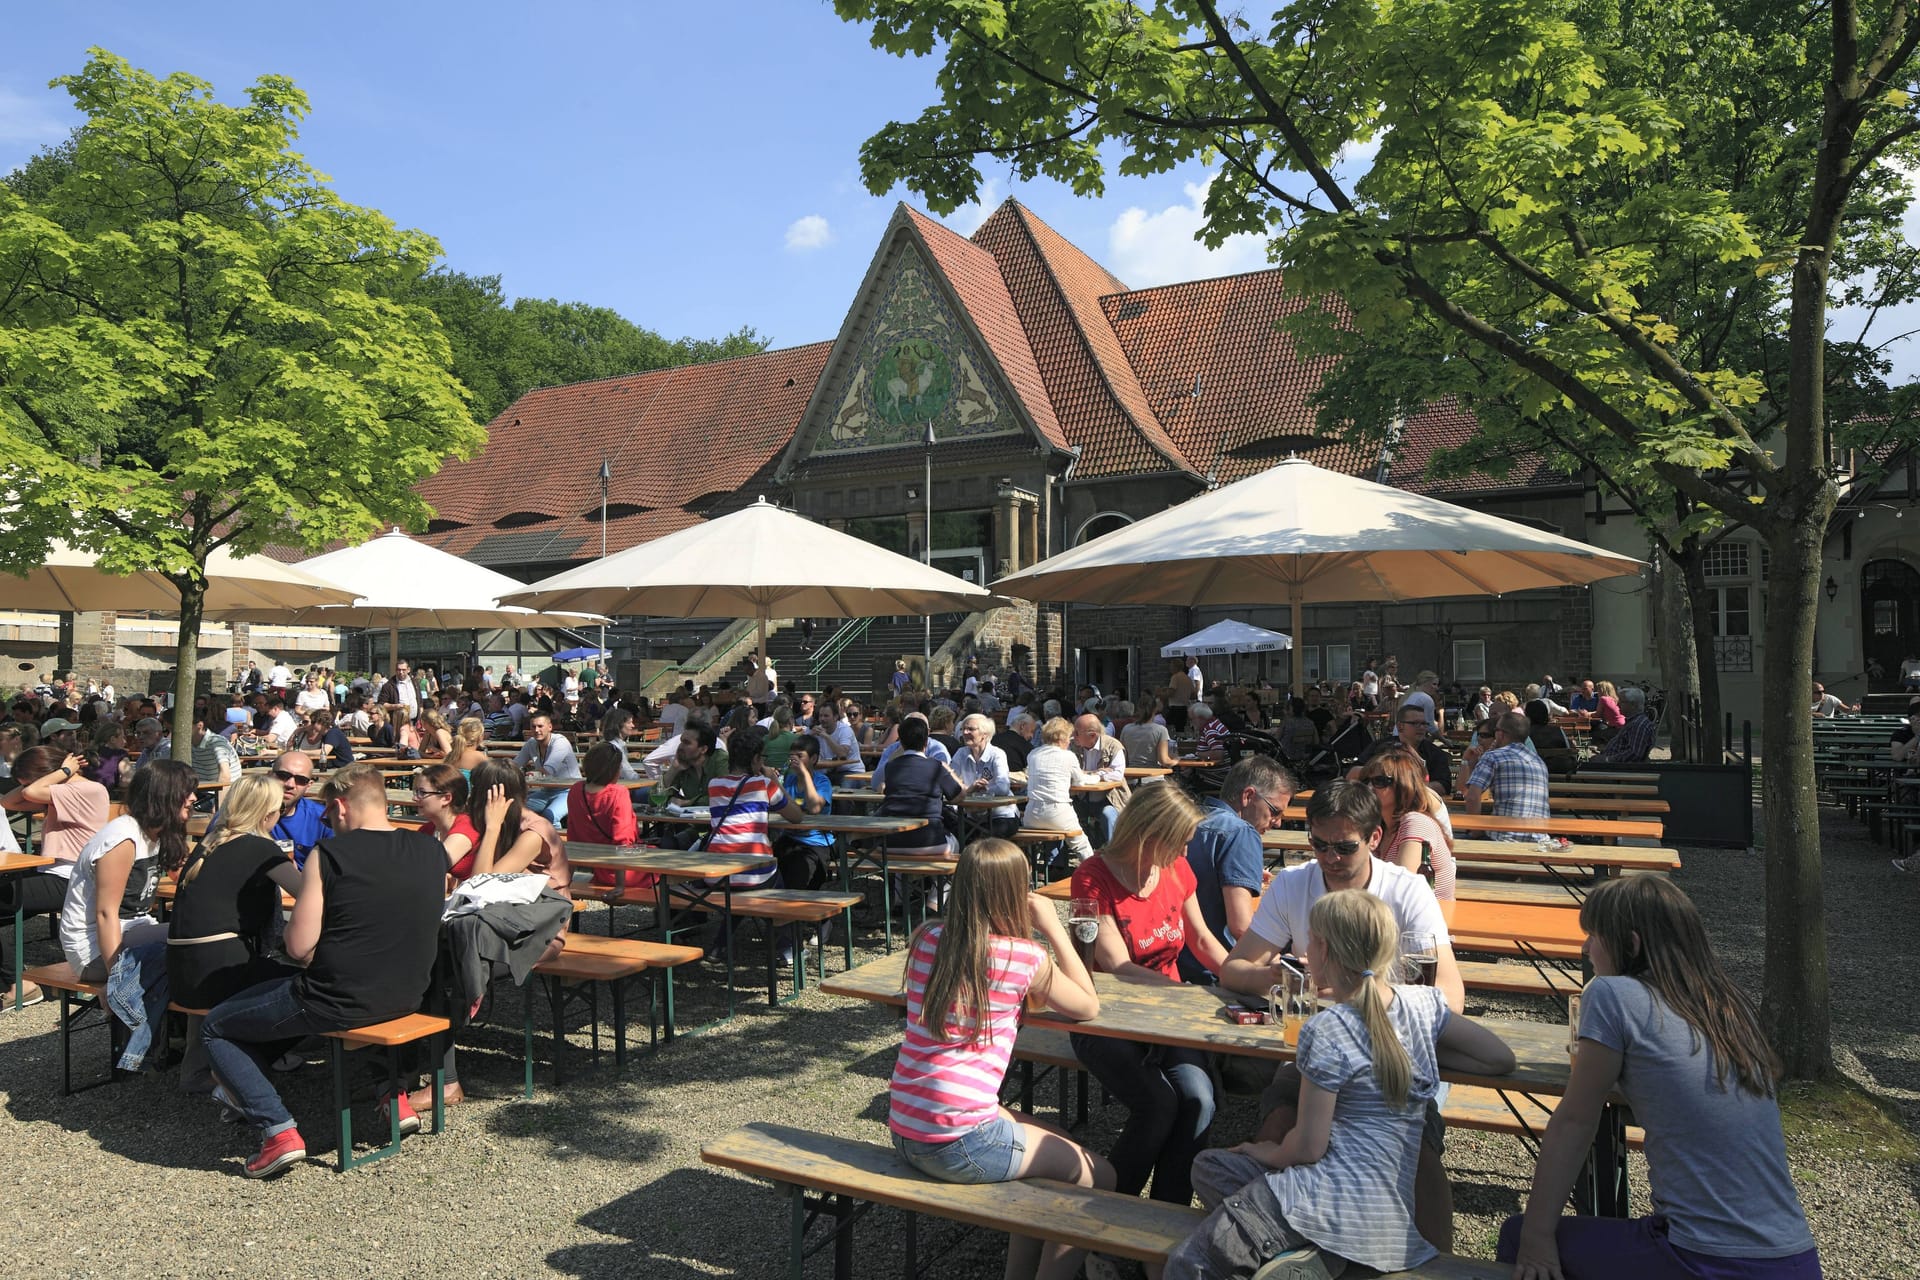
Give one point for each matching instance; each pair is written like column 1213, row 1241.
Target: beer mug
column 1419, row 958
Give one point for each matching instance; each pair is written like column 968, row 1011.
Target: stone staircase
column 865, row 661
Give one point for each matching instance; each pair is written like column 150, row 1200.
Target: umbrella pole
column 393, row 650
column 1299, row 652
column 763, row 655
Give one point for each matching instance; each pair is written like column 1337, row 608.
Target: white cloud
column 29, row 122
column 967, row 218
column 807, row 234
column 1159, row 248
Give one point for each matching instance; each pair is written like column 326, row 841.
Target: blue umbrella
column 578, row 655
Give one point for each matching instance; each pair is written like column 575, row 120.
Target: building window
column 1310, row 662
column 1469, row 661
column 1339, row 663
column 1732, row 628
column 1725, row 560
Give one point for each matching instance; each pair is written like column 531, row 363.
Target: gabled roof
column 676, row 438
column 1447, row 424
column 1224, row 378
column 1056, row 289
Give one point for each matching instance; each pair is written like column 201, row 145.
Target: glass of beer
column 1419, row 957
column 1083, row 920
column 1291, row 1001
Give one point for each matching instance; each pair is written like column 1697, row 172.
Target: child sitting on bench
column 1339, row 1186
column 966, row 977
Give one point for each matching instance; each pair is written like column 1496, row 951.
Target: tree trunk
column 1794, row 1010
column 1679, row 661
column 186, row 661
column 1713, row 738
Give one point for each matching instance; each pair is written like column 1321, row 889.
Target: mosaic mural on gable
column 915, row 363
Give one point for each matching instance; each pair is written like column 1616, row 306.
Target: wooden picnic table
column 1187, row 1016
column 1140, row 773
column 18, row 864
column 1578, row 787
column 706, row 885
column 1621, row 805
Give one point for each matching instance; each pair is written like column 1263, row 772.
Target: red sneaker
column 409, row 1121
column 276, row 1153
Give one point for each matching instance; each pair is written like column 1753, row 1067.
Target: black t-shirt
column 1903, row 734
column 917, row 786
column 380, row 927
column 1321, row 718
column 1439, row 765
column 231, row 892
column 1016, row 747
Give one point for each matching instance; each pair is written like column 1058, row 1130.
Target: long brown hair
column 1653, row 932
column 989, row 897
column 485, row 777
column 1362, row 938
column 1410, row 791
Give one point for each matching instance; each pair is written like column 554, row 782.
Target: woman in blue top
column 1663, row 1023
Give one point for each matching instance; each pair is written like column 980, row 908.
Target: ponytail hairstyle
column 1653, row 932
column 1362, row 940
column 989, row 897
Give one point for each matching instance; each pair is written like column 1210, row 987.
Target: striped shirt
column 944, row 1088
column 742, row 821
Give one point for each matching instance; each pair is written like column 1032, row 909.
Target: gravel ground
column 603, row 1178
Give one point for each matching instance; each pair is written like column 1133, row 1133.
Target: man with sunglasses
column 1225, row 856
column 1343, row 826
column 303, row 819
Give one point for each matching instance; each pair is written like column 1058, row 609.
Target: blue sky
column 693, row 166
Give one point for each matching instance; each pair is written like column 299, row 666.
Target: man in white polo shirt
column 1343, row 826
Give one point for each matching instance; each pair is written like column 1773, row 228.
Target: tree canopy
column 202, row 345
column 502, row 351
column 1613, row 227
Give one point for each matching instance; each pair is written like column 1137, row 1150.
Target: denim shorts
column 986, row 1153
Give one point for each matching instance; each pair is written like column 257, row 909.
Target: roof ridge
column 1164, row 445
column 1197, row 280
column 669, row 368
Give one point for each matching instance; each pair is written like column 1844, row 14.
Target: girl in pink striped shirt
column 967, row 975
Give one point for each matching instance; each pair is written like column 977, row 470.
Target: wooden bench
column 77, row 1000
column 589, row 963
column 1033, row 839
column 791, row 909
column 392, row 1035
column 1512, row 1112
column 840, row 1176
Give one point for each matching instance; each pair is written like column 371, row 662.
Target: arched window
column 1102, row 523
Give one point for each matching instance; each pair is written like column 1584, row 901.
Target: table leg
column 19, row 951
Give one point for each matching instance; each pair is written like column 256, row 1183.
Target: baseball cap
column 56, row 725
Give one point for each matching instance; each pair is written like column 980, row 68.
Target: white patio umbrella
column 1229, row 636
column 759, row 562
column 71, row 581
column 1297, row 534
column 400, row 582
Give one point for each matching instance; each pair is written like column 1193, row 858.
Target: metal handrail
column 832, row 649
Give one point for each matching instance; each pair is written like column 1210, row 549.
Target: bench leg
column 439, row 1052
column 527, row 1032
column 912, row 1248
column 619, row 999
column 796, row 1233
column 557, row 1003
column 1026, row 1086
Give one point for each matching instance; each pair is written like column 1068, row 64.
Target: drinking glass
column 1083, row 920
column 1292, row 1001
column 1573, row 1024
column 1419, row 957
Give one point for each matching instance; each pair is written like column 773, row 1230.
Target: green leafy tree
column 1562, row 193
column 500, row 352
column 200, row 346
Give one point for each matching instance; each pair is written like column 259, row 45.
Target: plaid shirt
column 1632, row 744
column 1518, row 780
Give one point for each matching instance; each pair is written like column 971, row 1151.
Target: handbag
column 699, row 844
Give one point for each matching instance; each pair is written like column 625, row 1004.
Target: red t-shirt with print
column 1153, row 927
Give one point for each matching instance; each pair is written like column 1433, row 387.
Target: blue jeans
column 243, row 1034
column 550, row 803
column 1168, row 1094
column 986, row 1153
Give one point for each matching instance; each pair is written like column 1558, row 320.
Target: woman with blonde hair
column 1663, row 1023
column 1370, row 1061
column 967, row 976
column 226, row 915
column 436, row 739
column 1608, row 718
column 1143, row 892
column 1051, row 768
column 468, row 753
column 1412, row 815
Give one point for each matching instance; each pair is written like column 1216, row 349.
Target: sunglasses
column 298, row 779
column 1420, row 723
column 1344, row 848
column 1377, row 780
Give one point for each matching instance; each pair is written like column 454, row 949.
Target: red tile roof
column 1224, row 378
column 1056, row 290
column 976, row 281
column 675, row 436
column 1446, row 424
